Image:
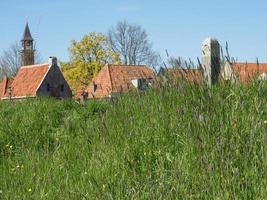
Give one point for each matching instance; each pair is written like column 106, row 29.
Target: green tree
column 86, row 59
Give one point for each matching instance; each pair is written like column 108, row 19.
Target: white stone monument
column 210, row 60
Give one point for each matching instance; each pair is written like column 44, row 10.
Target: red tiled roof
column 4, row 84
column 28, row 80
column 117, row 78
column 247, row 71
column 190, row 75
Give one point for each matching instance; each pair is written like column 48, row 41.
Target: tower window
column 47, row 87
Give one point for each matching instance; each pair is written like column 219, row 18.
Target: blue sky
column 176, row 25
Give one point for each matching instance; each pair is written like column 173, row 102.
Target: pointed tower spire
column 27, row 51
column 27, row 34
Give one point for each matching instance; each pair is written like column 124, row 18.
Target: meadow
column 179, row 142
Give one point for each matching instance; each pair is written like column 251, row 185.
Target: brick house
column 244, row 72
column 113, row 80
column 36, row 80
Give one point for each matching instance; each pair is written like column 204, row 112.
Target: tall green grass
column 183, row 142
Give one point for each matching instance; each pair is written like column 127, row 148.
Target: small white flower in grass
column 265, row 122
column 85, row 173
column 29, row 189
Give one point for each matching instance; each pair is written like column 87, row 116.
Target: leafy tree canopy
column 86, row 59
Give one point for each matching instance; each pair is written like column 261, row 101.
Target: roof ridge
column 36, row 65
column 117, row 65
column 183, row 68
column 249, row 63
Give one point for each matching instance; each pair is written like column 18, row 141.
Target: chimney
column 52, row 60
column 210, row 57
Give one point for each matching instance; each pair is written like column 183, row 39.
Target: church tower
column 27, row 51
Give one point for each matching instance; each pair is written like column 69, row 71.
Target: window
column 141, row 83
column 95, row 87
column 47, row 87
column 62, row 87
